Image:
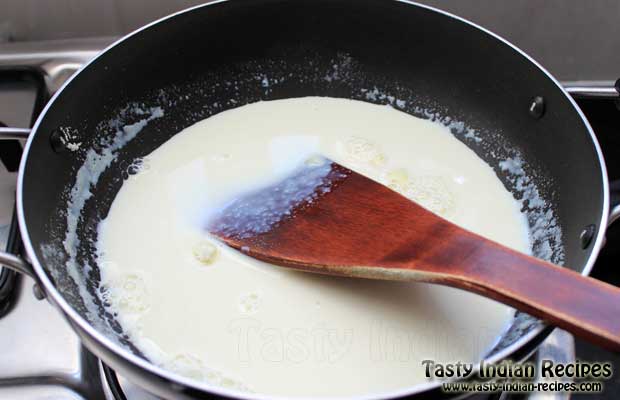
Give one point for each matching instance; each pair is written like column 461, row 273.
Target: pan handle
column 14, row 133
column 18, row 264
column 593, row 90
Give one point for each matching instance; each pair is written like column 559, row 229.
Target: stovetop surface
column 42, row 358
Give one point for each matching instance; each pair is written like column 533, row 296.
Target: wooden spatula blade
column 335, row 217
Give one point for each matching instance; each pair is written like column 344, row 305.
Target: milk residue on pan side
column 257, row 81
column 545, row 232
column 96, row 160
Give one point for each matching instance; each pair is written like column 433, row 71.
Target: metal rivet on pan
column 537, row 107
column 57, row 142
column 586, row 236
column 38, row 293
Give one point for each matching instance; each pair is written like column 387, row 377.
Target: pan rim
column 101, row 340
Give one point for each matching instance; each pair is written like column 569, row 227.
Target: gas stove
column 41, row 356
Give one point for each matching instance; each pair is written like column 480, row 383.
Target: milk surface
column 196, row 307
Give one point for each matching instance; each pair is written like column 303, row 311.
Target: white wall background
column 573, row 38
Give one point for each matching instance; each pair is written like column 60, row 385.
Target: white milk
column 208, row 312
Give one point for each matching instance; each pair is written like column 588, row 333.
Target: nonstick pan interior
column 225, row 55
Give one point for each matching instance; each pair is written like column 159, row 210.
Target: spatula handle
column 584, row 306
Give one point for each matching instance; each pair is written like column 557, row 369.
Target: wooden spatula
column 328, row 219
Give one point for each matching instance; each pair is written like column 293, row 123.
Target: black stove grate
column 604, row 116
column 10, row 155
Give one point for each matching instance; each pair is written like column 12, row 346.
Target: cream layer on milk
column 194, row 306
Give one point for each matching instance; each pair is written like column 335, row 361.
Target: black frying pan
column 211, row 58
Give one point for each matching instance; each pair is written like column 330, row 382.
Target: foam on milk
column 196, row 307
